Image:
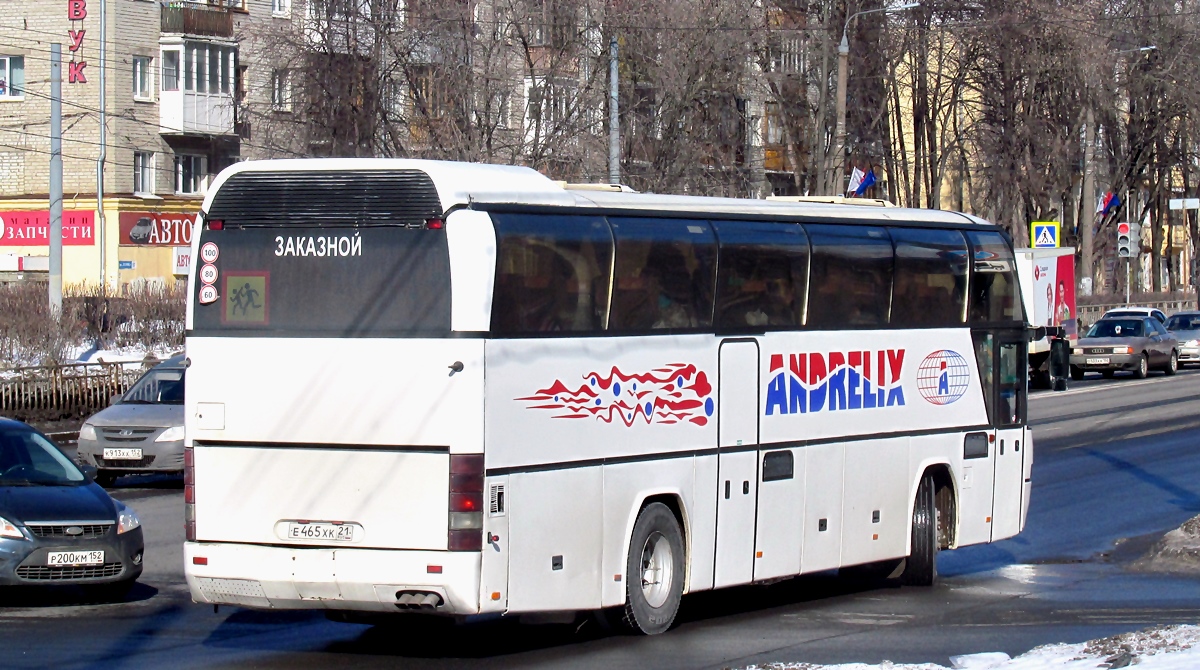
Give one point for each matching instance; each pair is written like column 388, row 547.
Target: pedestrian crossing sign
column 1044, row 234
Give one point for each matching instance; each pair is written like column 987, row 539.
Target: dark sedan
column 1136, row 344
column 57, row 526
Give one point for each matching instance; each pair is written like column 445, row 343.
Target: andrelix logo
column 815, row 382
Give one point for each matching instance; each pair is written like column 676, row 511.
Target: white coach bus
column 467, row 390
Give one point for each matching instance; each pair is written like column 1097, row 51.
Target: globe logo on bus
column 943, row 377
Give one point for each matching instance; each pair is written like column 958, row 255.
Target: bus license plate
column 325, row 532
column 122, row 454
column 1099, row 361
column 75, row 558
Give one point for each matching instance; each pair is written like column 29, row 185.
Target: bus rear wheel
column 654, row 571
column 920, row 568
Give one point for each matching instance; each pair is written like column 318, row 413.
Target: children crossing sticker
column 247, row 296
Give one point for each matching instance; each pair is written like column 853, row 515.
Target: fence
column 64, row 391
column 1089, row 314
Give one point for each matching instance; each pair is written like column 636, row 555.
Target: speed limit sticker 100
column 209, row 252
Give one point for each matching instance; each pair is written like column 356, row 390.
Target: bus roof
column 465, row 184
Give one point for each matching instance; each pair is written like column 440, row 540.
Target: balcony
column 192, row 113
column 189, row 18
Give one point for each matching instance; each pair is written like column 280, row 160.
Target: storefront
column 144, row 242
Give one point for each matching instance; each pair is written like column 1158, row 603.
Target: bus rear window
column 375, row 281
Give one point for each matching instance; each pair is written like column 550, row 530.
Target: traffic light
column 1124, row 241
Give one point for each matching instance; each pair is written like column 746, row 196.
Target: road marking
column 1106, row 387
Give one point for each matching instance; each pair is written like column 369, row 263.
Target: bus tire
column 920, row 568
column 654, row 571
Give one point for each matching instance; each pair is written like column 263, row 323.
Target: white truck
column 1047, row 278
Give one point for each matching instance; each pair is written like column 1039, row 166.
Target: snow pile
column 1178, row 551
column 1161, row 648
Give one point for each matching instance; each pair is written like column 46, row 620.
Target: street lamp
column 843, row 66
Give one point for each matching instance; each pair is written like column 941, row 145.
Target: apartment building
column 171, row 76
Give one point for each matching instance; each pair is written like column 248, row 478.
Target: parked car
column 1136, row 312
column 1185, row 326
column 1137, row 344
column 57, row 526
column 143, row 431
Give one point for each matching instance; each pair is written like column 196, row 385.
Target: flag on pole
column 856, row 178
column 1109, row 202
column 867, row 182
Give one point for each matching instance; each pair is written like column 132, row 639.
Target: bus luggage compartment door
column 737, row 462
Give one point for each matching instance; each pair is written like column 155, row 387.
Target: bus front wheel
column 920, row 568
column 654, row 572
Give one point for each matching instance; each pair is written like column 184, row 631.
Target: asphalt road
column 1115, row 468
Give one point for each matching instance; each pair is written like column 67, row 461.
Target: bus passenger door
column 1011, row 449
column 737, row 461
column 979, row 449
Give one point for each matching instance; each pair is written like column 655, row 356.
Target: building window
column 209, row 68
column 170, row 70
column 773, row 125
column 143, row 172
column 12, row 77
column 280, row 7
column 141, row 78
column 281, row 91
column 190, row 174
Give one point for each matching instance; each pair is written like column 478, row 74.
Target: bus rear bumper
column 367, row 580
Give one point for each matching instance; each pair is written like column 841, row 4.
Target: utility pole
column 56, row 176
column 839, row 136
column 838, row 157
column 1088, row 198
column 614, row 119
column 101, row 237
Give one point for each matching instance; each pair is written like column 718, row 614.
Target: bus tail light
column 465, row 528
column 216, row 224
column 189, row 494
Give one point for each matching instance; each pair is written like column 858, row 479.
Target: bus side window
column 994, row 293
column 985, row 360
column 664, row 274
column 931, row 277
column 851, row 278
column 762, row 274
column 552, row 274
column 1013, row 370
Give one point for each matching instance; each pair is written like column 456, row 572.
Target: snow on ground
column 1161, row 648
column 126, row 355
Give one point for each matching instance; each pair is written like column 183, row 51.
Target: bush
column 151, row 318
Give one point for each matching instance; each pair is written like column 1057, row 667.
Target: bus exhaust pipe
column 418, row 600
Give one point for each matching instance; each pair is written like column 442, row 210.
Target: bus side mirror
column 1035, row 333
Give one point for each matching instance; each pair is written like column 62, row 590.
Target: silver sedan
column 1185, row 326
